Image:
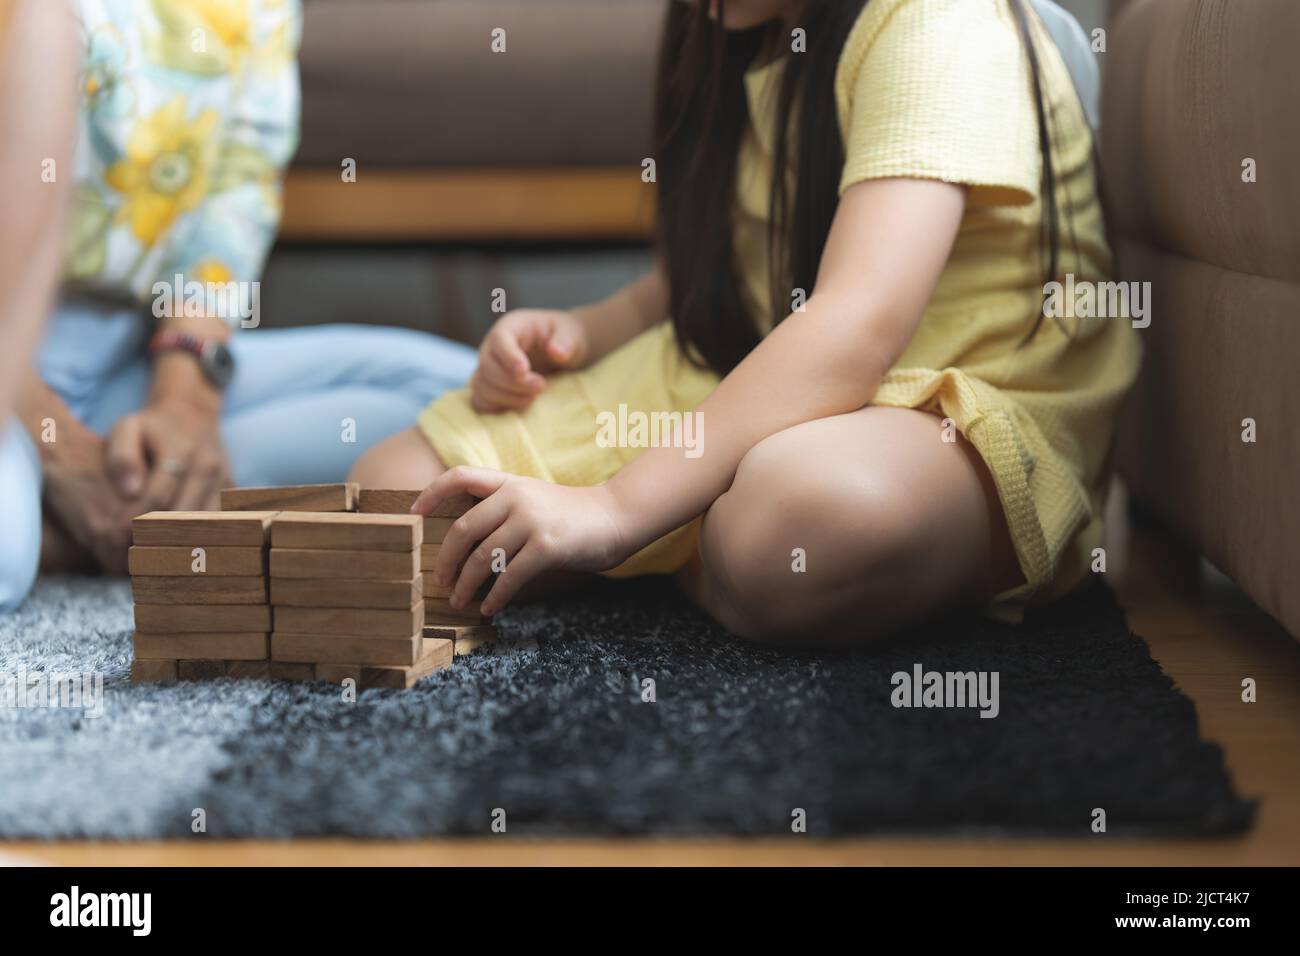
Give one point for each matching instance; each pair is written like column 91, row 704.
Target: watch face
column 219, row 364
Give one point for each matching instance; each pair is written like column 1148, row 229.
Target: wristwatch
column 214, row 357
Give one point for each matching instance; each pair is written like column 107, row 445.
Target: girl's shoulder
column 940, row 28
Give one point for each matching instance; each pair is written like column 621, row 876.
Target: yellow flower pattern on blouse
column 189, row 115
column 164, row 172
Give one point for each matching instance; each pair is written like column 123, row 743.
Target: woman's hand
column 520, row 349
column 521, row 528
column 78, row 491
column 169, row 456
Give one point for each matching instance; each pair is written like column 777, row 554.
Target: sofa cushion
column 402, row 83
column 1192, row 89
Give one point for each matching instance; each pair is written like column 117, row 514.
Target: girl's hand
column 525, row 526
column 522, row 347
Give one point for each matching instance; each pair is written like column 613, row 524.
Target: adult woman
column 188, row 116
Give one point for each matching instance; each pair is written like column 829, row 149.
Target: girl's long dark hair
column 700, row 117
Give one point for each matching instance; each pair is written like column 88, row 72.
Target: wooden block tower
column 267, row 588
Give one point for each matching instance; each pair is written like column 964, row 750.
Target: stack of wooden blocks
column 199, row 581
column 350, row 592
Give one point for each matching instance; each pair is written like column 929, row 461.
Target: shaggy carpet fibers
column 620, row 711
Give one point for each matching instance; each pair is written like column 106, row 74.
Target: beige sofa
column 1192, row 90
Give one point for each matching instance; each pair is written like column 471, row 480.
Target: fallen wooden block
column 438, row 611
column 202, row 618
column 434, row 655
column 249, row 670
column 288, row 670
column 152, row 670
column 347, row 532
column 179, row 562
column 199, row 589
column 340, row 497
column 466, row 640
column 338, row 673
column 380, row 501
column 232, row 646
column 203, row 529
column 367, row 565
column 345, row 592
column 345, row 649
column 386, row 622
column 200, row 670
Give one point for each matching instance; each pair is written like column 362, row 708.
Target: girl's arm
column 887, row 248
column 526, row 345
column 624, row 315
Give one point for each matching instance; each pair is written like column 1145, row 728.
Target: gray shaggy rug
column 619, row 711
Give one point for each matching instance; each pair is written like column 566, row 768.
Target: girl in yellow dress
column 839, row 404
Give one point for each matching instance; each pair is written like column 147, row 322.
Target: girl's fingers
column 503, row 543
column 489, row 397
column 493, row 374
column 507, row 350
column 479, row 482
column 465, row 532
column 523, row 567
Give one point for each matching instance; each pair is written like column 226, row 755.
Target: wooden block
column 200, row 670
column 466, row 639
column 367, row 565
column 434, row 655
column 429, row 555
column 204, row 647
column 345, row 648
column 378, row 501
column 201, row 529
column 338, row 673
column 438, row 611
column 143, row 671
column 198, row 589
column 249, row 670
column 346, row 532
column 386, row 622
column 179, row 562
column 345, row 592
column 430, row 590
column 286, row 670
column 435, row 529
column 340, row 497
column 202, row 618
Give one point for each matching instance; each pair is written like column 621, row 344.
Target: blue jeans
column 284, row 416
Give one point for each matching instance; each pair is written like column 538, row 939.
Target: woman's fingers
column 124, row 456
column 465, row 532
column 495, row 553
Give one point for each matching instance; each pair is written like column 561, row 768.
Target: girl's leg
column 405, row 460
column 889, row 522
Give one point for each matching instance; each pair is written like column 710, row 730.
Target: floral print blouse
column 189, row 114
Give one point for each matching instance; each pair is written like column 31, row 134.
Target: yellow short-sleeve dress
column 935, row 89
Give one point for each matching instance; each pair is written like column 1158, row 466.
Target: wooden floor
column 1205, row 635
